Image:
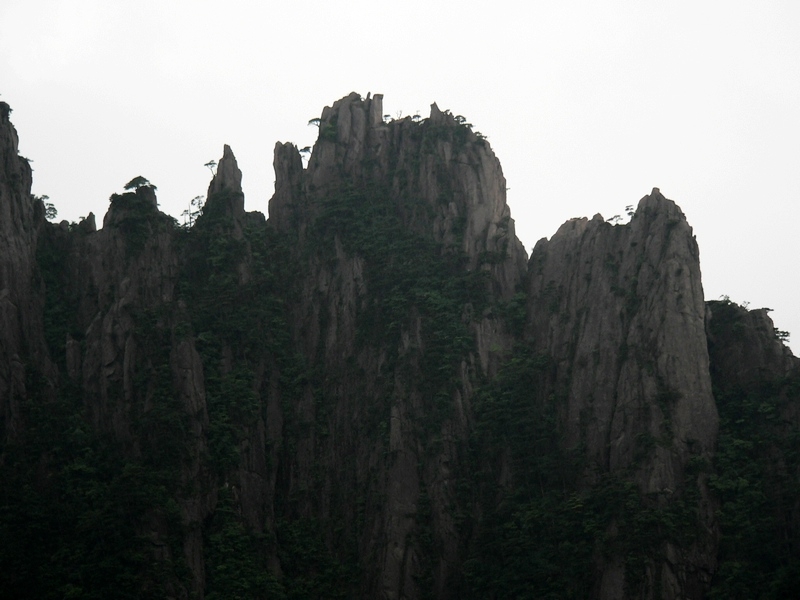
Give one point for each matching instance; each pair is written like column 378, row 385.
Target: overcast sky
column 588, row 105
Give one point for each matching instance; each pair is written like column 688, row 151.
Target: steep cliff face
column 406, row 240
column 113, row 306
column 373, row 393
column 746, row 347
column 755, row 480
column 20, row 303
column 620, row 310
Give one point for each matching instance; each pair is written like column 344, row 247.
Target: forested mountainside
column 375, row 393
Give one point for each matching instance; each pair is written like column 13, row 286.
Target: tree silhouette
column 137, row 182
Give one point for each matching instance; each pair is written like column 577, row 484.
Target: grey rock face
column 620, row 310
column 228, row 178
column 747, row 350
column 438, row 160
column 116, row 277
column 446, row 185
column 372, row 433
column 21, row 328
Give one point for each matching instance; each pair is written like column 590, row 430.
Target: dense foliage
column 407, row 273
column 543, row 535
column 756, row 479
column 236, row 287
column 73, row 501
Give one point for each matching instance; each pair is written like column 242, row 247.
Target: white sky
column 588, row 105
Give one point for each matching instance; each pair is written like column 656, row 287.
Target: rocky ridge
column 317, row 395
column 620, row 309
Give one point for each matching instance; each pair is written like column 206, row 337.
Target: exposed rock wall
column 301, row 396
column 439, row 161
column 620, row 310
column 444, row 184
column 120, row 286
column 757, row 389
column 21, row 334
column 746, row 348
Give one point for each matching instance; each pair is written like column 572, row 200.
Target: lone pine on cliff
column 375, row 393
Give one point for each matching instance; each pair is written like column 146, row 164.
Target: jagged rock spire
column 228, row 178
column 288, row 185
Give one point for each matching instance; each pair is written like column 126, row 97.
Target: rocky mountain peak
column 439, row 117
column 442, row 177
column 225, row 190
column 147, row 195
column 620, row 309
column 349, row 130
column 289, row 177
column 647, row 274
column 378, row 381
column 134, row 204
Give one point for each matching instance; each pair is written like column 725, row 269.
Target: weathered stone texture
column 620, row 310
column 21, row 329
column 617, row 309
column 748, row 351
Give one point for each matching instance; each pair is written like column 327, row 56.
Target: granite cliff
column 375, row 393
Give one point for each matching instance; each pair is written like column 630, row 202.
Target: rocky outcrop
column 436, row 181
column 620, row 310
column 117, row 289
column 757, row 389
column 353, row 396
column 441, row 176
column 227, row 184
column 745, row 347
column 21, row 327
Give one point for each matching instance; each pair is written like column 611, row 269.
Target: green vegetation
column 71, row 527
column 311, row 570
column 755, row 478
column 406, row 273
column 81, row 514
column 236, row 559
column 542, row 534
column 234, row 323
column 756, row 482
column 239, row 323
column 50, row 210
column 195, row 209
column 327, row 130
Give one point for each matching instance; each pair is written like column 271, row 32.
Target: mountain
column 375, row 393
